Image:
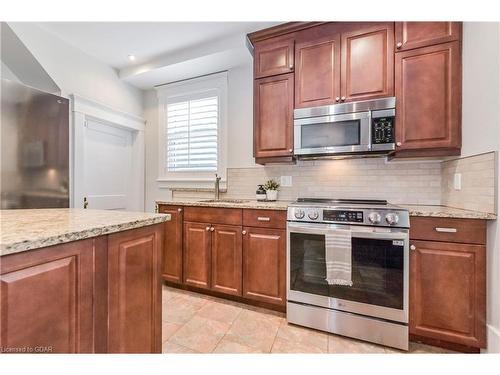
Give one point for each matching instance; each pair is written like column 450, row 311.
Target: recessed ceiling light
column 131, row 57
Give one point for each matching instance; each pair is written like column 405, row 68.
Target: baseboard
column 493, row 339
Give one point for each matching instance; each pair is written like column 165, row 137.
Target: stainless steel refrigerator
column 34, row 148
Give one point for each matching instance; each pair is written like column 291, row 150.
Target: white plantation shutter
column 192, row 135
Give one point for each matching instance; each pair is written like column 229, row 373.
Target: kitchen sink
column 225, row 200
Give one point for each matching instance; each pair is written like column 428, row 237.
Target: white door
column 107, row 169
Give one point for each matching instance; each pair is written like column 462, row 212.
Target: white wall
column 76, row 72
column 481, row 133
column 239, row 123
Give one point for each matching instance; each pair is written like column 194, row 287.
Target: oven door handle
column 380, row 235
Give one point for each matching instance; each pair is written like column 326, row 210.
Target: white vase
column 272, row 195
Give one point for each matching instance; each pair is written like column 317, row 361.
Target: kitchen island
column 80, row 281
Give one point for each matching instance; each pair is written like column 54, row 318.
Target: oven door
column 332, row 134
column 379, row 258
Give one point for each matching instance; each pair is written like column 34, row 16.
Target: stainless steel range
column 347, row 268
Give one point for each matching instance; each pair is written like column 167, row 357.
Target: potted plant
column 271, row 187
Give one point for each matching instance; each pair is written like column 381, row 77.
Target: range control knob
column 392, row 219
column 299, row 214
column 374, row 217
column 313, row 215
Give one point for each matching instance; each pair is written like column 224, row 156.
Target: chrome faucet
column 217, row 187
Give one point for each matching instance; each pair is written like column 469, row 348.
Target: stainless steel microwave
column 348, row 128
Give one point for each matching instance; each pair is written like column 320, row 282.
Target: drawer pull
column 446, row 230
column 263, row 218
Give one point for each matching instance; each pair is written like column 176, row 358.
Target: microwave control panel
column 343, row 215
column 382, row 130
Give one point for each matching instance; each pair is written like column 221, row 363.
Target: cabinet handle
column 243, row 232
column 207, row 229
column 398, row 144
column 337, row 99
column 212, row 229
column 342, row 98
column 413, row 247
column 399, row 45
column 179, row 210
column 290, row 66
column 290, row 150
column 446, row 230
column 262, row 218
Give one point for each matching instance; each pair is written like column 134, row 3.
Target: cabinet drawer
column 213, row 215
column 264, row 218
column 448, row 230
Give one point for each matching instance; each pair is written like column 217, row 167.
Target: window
column 192, row 135
column 193, row 141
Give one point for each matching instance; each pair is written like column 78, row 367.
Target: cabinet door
column 368, row 63
column 273, row 56
column 134, row 290
column 46, row 299
column 428, row 95
column 317, row 71
column 411, row 35
column 226, row 259
column 197, row 254
column 448, row 292
column 273, row 116
column 264, row 268
column 172, row 246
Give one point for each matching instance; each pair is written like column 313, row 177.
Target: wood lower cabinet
column 197, row 254
column 448, row 299
column 428, row 100
column 46, row 299
column 134, row 290
column 96, row 295
column 447, row 284
column 274, row 56
column 317, row 72
column 226, row 259
column 367, row 62
column 410, row 35
column 264, row 265
column 172, row 247
column 273, row 116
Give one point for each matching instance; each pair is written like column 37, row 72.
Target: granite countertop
column 447, row 212
column 232, row 203
column 414, row 210
column 28, row 229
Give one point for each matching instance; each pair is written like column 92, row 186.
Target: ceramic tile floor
column 195, row 323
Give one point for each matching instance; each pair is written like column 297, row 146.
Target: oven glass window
column 377, row 270
column 331, row 134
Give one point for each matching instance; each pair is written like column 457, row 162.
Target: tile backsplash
column 400, row 182
column 477, row 182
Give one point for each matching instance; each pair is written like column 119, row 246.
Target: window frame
column 210, row 85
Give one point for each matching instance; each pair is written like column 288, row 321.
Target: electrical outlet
column 286, row 181
column 457, row 181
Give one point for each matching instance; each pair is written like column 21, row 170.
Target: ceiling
column 112, row 42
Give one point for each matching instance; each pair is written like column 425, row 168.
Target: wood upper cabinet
column 46, row 299
column 273, row 116
column 172, row 247
column 226, row 259
column 197, row 254
column 274, row 56
column 411, row 35
column 317, row 71
column 367, row 62
column 448, row 292
column 264, row 268
column 134, row 294
column 428, row 99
